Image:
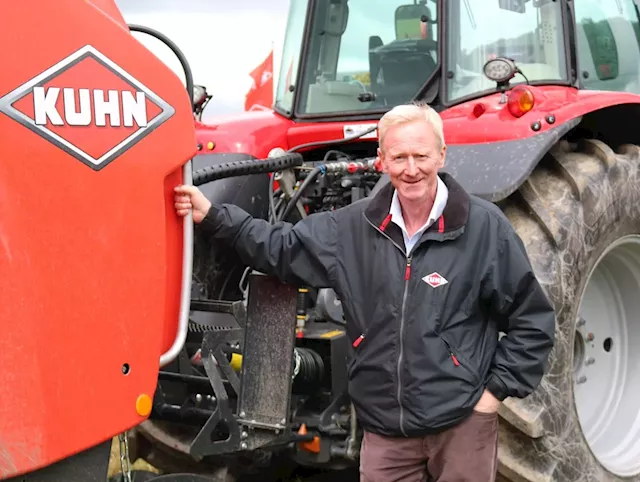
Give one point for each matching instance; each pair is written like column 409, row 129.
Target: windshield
column 529, row 32
column 362, row 54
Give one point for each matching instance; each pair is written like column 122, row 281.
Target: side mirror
column 337, row 17
column 413, row 22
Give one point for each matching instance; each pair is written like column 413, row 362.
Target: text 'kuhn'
column 104, row 103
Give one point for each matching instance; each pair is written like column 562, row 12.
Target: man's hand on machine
column 190, row 197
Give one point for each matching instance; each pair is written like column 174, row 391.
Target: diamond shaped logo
column 434, row 280
column 88, row 106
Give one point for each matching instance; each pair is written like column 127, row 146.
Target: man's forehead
column 417, row 146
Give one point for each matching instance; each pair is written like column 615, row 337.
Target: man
column 428, row 276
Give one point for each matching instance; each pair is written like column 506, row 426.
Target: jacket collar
column 453, row 219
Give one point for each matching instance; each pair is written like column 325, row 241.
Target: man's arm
column 516, row 299
column 302, row 253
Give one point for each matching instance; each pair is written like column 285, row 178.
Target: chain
column 125, row 462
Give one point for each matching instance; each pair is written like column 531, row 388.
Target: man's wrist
column 208, row 222
column 496, row 388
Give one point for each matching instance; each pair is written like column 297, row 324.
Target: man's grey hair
column 413, row 112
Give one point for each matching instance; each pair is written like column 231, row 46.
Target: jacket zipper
column 454, row 358
column 407, row 275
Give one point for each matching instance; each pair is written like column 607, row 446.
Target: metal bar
column 204, row 443
column 187, row 272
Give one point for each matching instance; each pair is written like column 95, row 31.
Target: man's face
column 411, row 155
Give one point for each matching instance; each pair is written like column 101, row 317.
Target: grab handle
column 187, row 271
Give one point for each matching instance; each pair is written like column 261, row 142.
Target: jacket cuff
column 497, row 388
column 208, row 223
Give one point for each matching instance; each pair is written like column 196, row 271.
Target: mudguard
column 94, row 133
column 495, row 170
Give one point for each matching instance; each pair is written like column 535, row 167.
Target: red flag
column 261, row 92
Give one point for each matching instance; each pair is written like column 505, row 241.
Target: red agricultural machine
column 117, row 318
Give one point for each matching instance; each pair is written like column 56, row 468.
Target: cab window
column 608, row 42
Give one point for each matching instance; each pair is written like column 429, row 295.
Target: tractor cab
column 359, row 57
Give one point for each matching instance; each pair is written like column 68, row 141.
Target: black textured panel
column 267, row 364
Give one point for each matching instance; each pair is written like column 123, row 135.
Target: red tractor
column 539, row 100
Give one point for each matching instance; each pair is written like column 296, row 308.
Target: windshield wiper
column 467, row 6
column 620, row 9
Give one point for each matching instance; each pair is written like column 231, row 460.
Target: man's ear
column 380, row 160
column 443, row 156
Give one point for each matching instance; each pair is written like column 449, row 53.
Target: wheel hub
column 606, row 357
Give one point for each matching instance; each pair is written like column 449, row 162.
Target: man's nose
column 411, row 166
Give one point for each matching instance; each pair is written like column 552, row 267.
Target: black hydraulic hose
column 320, row 169
column 296, row 196
column 243, row 168
column 188, row 75
column 311, row 371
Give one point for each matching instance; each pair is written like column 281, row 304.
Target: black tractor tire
column 581, row 198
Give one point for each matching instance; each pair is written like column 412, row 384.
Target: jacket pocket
column 356, row 348
column 460, row 361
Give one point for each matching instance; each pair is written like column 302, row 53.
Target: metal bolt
column 283, row 421
column 551, row 118
column 580, row 322
column 244, row 434
column 590, row 336
column 198, row 398
column 590, row 361
column 243, row 445
column 242, row 414
column 582, row 379
column 536, row 126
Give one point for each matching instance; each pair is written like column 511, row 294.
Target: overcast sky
column 223, row 40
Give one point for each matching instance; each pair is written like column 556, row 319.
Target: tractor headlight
column 500, row 69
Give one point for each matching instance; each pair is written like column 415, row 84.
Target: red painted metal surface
column 257, row 132
column 497, row 124
column 90, row 256
column 252, row 132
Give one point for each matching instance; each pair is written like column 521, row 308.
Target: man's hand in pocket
column 487, row 403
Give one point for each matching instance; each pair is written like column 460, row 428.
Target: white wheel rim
column 607, row 358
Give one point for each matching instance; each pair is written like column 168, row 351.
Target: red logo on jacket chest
column 434, row 280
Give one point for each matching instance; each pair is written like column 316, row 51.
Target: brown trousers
column 464, row 453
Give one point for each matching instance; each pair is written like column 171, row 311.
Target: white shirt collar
column 439, row 203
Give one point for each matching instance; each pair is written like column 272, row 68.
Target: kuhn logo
column 434, row 280
column 95, row 125
column 46, row 110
